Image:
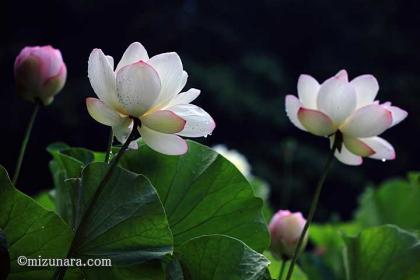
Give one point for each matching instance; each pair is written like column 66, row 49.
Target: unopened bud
column 40, row 73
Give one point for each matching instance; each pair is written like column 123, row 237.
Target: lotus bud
column 40, row 73
column 285, row 229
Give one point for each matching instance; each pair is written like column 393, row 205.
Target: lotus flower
column 285, row 230
column 235, row 158
column 40, row 73
column 148, row 89
column 350, row 108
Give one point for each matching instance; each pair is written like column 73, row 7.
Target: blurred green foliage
column 395, row 202
column 386, row 252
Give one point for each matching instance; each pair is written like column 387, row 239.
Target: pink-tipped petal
column 168, row 144
column 198, row 122
column 358, row 147
column 316, row 122
column 345, row 156
column 102, row 113
column 164, row 121
column 308, row 88
column 292, row 107
column 337, row 99
column 134, row 53
column 366, row 87
column 138, row 87
column 102, row 78
column 382, row 149
column 185, row 97
column 398, row 114
column 368, row 121
column 171, row 73
column 342, row 75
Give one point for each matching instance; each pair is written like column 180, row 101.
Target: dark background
column 245, row 56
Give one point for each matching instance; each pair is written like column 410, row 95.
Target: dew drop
column 205, row 136
column 383, row 160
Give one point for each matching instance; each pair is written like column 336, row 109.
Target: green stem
column 281, row 272
column 314, row 204
column 60, row 272
column 109, row 148
column 25, row 141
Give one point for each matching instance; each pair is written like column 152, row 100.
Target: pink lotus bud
column 40, row 73
column 285, row 229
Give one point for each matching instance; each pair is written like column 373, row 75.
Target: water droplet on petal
column 383, row 160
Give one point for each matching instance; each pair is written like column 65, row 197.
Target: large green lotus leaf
column 46, row 199
column 127, row 222
column 82, row 155
column 203, row 193
column 4, row 257
column 31, row 231
column 67, row 163
column 328, row 242
column 147, row 271
column 385, row 252
column 174, row 270
column 220, row 257
column 262, row 190
column 394, row 202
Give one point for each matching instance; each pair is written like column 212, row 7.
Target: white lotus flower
column 147, row 89
column 348, row 107
column 236, row 158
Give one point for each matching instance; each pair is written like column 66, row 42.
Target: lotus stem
column 109, row 148
column 337, row 145
column 60, row 272
column 25, row 141
column 282, row 267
